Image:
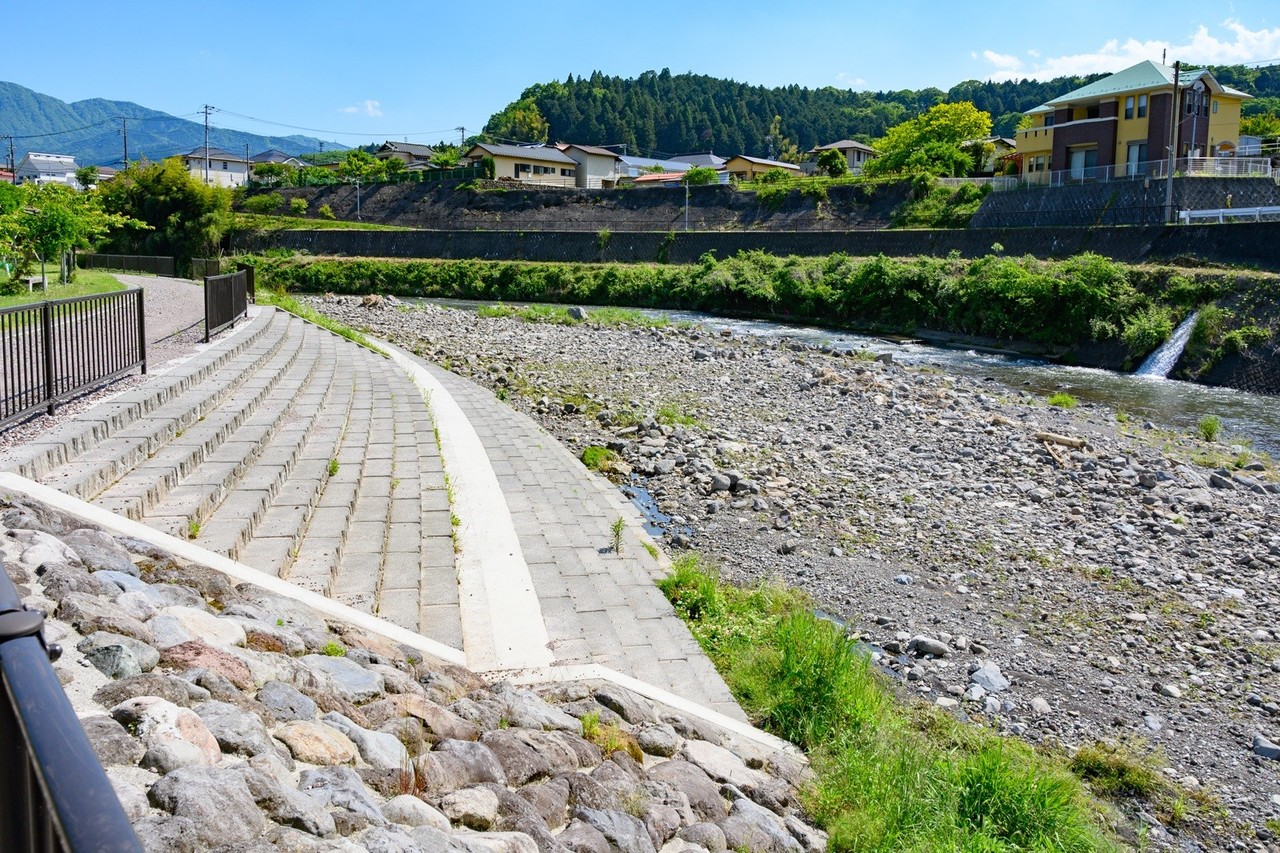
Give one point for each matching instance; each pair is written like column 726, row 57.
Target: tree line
column 660, row 113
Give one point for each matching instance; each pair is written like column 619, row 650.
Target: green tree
column 521, row 121
column 394, row 169
column 833, row 163
column 360, row 165
column 45, row 222
column 175, row 213
column 87, row 176
column 446, row 156
column 932, row 143
column 700, row 175
column 1264, row 126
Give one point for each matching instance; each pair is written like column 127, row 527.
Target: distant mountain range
column 90, row 131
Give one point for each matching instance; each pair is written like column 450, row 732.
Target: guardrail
column 226, row 300
column 1188, row 167
column 1229, row 214
column 53, row 350
column 205, row 267
column 154, row 264
column 56, row 795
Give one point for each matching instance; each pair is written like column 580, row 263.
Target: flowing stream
column 1160, row 362
column 1166, row 402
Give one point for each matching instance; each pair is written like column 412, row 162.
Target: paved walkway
column 337, row 471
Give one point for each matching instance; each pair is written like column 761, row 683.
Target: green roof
column 1144, row 75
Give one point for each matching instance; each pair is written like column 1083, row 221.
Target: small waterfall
column 1160, row 362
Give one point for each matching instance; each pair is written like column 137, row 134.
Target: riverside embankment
column 1124, row 589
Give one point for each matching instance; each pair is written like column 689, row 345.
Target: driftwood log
column 1064, row 440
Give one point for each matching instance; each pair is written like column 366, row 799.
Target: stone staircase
column 289, row 449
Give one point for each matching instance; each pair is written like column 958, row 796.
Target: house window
column 522, row 167
column 567, row 173
column 1215, row 107
column 1048, row 121
column 1128, row 107
column 1142, row 106
column 1093, row 112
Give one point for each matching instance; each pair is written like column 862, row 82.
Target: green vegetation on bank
column 558, row 315
column 85, row 283
column 889, row 776
column 264, row 221
column 285, row 302
column 1051, row 303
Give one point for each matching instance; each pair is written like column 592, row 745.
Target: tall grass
column 889, row 777
column 285, row 302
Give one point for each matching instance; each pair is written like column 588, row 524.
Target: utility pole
column 13, row 164
column 1173, row 142
column 206, row 109
column 462, row 136
column 246, row 164
column 124, row 132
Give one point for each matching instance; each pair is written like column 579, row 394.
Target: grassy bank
column 285, row 302
column 892, row 776
column 86, row 283
column 1051, row 303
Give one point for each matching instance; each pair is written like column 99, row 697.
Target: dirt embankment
column 495, row 206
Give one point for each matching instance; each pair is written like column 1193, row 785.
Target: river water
column 1168, row 403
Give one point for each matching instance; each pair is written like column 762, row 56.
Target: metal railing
column 56, row 795
column 154, row 264
column 53, row 350
column 205, row 267
column 1189, row 167
column 1223, row 215
column 226, row 300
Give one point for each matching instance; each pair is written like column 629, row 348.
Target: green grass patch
column 250, row 221
column 285, row 302
column 86, row 283
column 554, row 314
column 1209, row 428
column 598, row 458
column 889, row 776
column 1063, row 400
column 674, row 414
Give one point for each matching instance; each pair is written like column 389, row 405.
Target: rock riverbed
column 1116, row 591
column 230, row 718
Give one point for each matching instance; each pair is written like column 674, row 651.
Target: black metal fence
column 56, row 795
column 51, row 351
column 154, row 264
column 226, row 299
column 205, row 267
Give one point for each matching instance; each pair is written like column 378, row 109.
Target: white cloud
column 844, row 78
column 369, row 107
column 1231, row 43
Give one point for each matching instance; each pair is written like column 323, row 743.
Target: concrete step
column 227, row 441
column 63, row 444
column 90, row 472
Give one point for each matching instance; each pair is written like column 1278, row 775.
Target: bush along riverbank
column 1087, row 310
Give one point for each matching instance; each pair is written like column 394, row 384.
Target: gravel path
column 175, row 326
column 1122, row 591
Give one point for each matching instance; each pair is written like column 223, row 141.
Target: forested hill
column 659, row 113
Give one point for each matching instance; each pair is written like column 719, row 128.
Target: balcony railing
column 1190, row 167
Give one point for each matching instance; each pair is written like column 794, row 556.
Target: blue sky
column 358, row 73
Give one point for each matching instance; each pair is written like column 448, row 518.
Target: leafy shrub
column 701, row 175
column 775, row 176
column 1146, row 330
column 325, row 212
column 263, row 204
column 1239, row 340
column 298, row 206
column 1063, row 400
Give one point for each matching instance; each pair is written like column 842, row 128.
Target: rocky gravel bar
column 230, row 718
column 1063, row 574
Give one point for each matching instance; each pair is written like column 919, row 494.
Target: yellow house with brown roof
column 1115, row 126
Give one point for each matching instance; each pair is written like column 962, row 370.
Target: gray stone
column 722, row 765
column 216, row 800
column 527, row 710
column 133, row 798
column 168, row 631
column 625, row 833
column 706, row 835
column 236, row 730
column 166, row 834
column 89, row 613
column 315, row 743
column 989, row 678
column 124, row 582
column 392, row 839
column 206, row 626
column 113, row 661
column 550, row 800
column 586, row 791
column 752, row 827
column 1264, row 747
column 494, row 842
column 97, row 550
column 408, row 810
column 283, row 803
column 340, row 788
column 61, row 579
column 169, row 687
column 659, row 740
column 703, row 793
column 521, row 763
column 475, row 808
column 144, row 655
column 379, row 750
column 812, row 840
column 582, row 837
column 630, row 706
column 285, row 702
column 350, row 680
column 475, row 761
column 431, row 839
column 111, row 741
column 923, row 646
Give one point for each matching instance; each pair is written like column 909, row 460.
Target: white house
column 634, row 167
column 856, row 153
column 597, row 167
column 37, row 168
column 224, row 168
column 530, row 164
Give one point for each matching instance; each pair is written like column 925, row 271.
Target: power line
column 383, row 133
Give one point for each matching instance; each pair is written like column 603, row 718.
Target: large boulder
column 217, row 802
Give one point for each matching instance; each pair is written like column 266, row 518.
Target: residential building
column 634, row 167
column 702, row 160
column 597, row 167
column 530, row 164
column 224, row 169
column 408, row 153
column 744, row 168
column 1113, row 126
column 36, row 168
column 275, row 155
column 993, row 161
column 855, row 152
